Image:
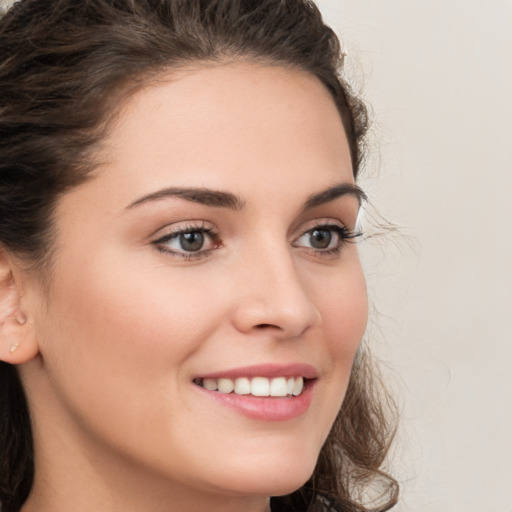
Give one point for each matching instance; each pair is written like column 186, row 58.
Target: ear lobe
column 17, row 341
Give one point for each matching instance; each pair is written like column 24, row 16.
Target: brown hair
column 64, row 66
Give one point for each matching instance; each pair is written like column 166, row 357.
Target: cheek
column 121, row 336
column 344, row 309
column 343, row 305
column 118, row 348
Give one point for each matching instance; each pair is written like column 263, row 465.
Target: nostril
column 266, row 326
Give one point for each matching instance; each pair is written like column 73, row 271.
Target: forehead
column 229, row 126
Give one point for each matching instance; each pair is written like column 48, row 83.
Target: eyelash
column 202, row 228
column 344, row 234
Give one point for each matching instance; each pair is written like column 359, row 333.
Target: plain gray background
column 438, row 75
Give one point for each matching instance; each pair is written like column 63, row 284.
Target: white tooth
column 289, row 385
column 297, row 387
column 242, row 386
column 260, row 386
column 210, row 384
column 226, row 385
column 278, row 387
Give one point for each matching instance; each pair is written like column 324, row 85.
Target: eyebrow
column 205, row 196
column 333, row 193
column 220, row 199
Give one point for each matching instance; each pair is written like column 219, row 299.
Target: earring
column 14, row 347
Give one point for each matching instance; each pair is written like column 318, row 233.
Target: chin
column 269, row 484
column 272, row 477
column 289, row 485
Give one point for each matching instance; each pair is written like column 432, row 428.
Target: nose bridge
column 273, row 295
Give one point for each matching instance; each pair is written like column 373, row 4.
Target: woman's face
column 211, row 250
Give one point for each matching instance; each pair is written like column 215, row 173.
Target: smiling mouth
column 279, row 387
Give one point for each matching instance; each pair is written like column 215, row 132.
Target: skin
column 110, row 345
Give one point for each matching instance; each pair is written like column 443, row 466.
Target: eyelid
column 316, row 223
column 175, row 230
column 345, row 235
column 180, row 226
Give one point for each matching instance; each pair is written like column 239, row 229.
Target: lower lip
column 266, row 408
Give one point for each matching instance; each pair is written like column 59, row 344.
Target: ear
column 18, row 343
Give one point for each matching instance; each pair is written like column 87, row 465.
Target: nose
column 273, row 299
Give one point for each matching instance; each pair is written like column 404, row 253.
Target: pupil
column 321, row 238
column 192, row 241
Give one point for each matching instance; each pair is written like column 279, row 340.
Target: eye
column 326, row 239
column 189, row 241
column 192, row 241
column 321, row 238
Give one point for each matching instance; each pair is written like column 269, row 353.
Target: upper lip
column 265, row 370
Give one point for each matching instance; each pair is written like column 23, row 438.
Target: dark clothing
column 304, row 502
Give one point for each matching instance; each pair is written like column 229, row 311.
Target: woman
column 181, row 303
